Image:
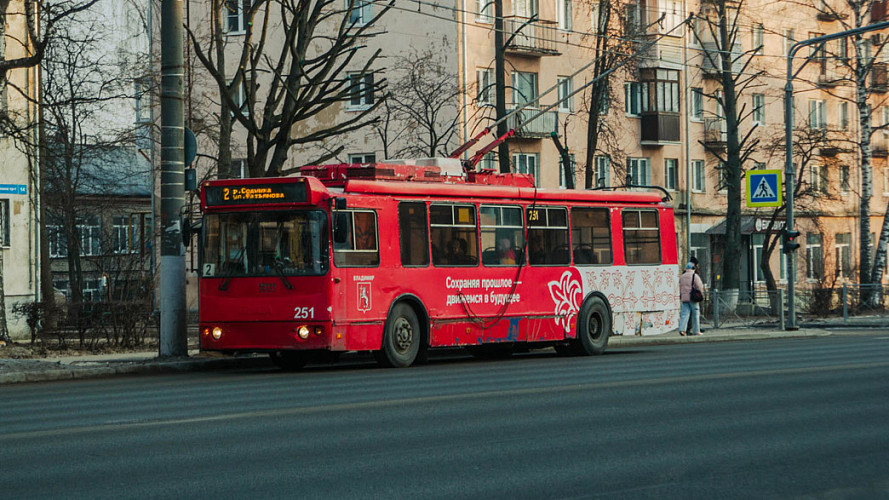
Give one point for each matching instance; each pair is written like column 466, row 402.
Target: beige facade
column 18, row 229
column 677, row 140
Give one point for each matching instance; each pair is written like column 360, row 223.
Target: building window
column 563, row 14
column 123, row 233
column 660, row 90
column 362, row 158
column 235, row 22
column 603, row 171
column 843, row 113
column 817, row 114
column 488, row 162
column 757, row 38
column 639, row 171
column 819, row 179
column 788, row 41
column 814, row 257
column 844, row 179
column 885, row 180
column 361, row 11
column 697, row 103
column 5, row 221
column 526, row 163
column 634, row 94
column 485, row 80
column 844, row 255
column 524, row 89
column 759, row 165
column 562, row 183
column 239, row 97
column 566, row 87
column 595, row 19
column 485, row 11
column 90, row 236
column 671, row 173
column 239, row 169
column 58, row 243
column 698, row 176
column 759, row 109
column 361, row 91
column 722, row 179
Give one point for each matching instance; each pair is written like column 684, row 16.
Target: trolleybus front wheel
column 289, row 360
column 401, row 339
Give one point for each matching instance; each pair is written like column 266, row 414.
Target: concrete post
column 715, row 296
column 845, row 304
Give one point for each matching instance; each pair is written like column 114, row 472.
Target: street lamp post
column 788, row 154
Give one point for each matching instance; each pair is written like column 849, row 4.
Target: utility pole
column 789, row 181
column 500, row 85
column 173, row 337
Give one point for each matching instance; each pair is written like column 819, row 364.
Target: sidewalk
column 14, row 371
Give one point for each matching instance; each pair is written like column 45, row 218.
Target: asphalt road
column 754, row 419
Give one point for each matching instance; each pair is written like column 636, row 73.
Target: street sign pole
column 789, row 180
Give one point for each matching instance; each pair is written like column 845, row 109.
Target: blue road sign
column 764, row 188
column 13, row 189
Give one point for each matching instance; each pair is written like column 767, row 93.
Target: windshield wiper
column 279, row 266
column 238, row 260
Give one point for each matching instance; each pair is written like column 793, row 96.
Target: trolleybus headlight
column 303, row 332
column 318, row 330
column 217, row 332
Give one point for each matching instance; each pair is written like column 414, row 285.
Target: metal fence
column 846, row 304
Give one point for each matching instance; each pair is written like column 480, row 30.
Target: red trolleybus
column 398, row 259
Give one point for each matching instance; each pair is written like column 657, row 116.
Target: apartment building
column 665, row 124
column 19, row 240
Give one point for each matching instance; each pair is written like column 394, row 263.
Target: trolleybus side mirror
column 339, row 203
column 340, row 227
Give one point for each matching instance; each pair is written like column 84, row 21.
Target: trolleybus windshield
column 278, row 243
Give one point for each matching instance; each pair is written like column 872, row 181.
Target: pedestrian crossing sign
column 764, row 188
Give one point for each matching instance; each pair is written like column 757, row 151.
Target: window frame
column 469, row 228
column 565, row 88
column 626, row 239
column 230, row 14
column 425, row 238
column 546, row 225
column 698, row 175
column 495, row 228
column 361, row 95
column 671, row 176
column 577, row 240
column 354, row 250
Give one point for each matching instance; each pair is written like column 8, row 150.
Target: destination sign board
column 255, row 194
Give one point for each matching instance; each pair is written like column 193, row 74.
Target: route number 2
column 303, row 312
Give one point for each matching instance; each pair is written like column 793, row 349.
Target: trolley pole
column 789, row 182
column 173, row 337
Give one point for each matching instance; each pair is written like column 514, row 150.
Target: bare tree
column 291, row 68
column 37, row 21
column 719, row 33
column 424, row 101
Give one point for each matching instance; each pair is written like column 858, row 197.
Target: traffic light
column 790, row 241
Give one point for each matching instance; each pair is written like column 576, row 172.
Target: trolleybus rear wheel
column 289, row 360
column 401, row 339
column 593, row 327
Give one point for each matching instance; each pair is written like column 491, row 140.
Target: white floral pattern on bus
column 566, row 294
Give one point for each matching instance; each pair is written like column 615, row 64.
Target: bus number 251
column 303, row 312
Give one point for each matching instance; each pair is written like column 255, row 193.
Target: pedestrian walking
column 691, row 293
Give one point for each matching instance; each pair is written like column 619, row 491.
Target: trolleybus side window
column 502, row 238
column 548, row 236
column 412, row 230
column 591, row 236
column 641, row 237
column 355, row 239
column 454, row 235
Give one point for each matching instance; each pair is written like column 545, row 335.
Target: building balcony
column 530, row 38
column 659, row 128
column 714, row 134
column 829, row 78
column 711, row 62
column 541, row 127
column 665, row 51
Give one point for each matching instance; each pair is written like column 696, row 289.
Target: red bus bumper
column 264, row 336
